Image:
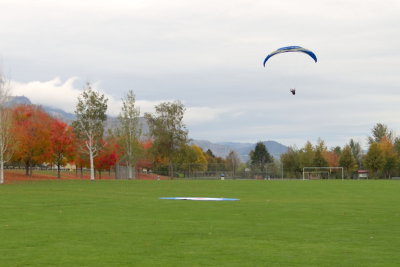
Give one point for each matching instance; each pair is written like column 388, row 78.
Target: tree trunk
column 91, row 166
column 171, row 170
column 30, row 169
column 27, row 168
column 58, row 171
column 1, row 171
column 129, row 170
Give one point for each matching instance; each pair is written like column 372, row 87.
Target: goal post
column 322, row 170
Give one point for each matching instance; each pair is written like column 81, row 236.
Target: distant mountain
column 59, row 113
column 19, row 100
column 222, row 149
column 55, row 112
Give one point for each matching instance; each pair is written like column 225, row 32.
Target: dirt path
column 12, row 176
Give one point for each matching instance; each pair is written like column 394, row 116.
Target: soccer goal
column 313, row 173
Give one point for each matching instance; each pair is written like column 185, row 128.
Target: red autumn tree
column 108, row 156
column 32, row 132
column 62, row 143
column 147, row 144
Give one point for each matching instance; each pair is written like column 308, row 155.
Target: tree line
column 31, row 137
column 381, row 159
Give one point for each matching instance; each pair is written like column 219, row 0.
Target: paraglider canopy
column 291, row 49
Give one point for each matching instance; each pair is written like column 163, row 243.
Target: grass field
column 275, row 223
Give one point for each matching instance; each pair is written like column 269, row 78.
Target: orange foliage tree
column 332, row 158
column 31, row 132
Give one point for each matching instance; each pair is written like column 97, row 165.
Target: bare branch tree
column 5, row 125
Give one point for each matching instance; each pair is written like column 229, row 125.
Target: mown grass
column 275, row 223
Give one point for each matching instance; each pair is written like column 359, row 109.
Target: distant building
column 362, row 174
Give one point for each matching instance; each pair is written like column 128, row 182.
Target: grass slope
column 124, row 223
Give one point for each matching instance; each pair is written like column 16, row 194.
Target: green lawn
column 275, row 223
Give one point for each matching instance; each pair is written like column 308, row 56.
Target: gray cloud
column 209, row 54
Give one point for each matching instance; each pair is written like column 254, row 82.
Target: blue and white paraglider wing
column 291, row 49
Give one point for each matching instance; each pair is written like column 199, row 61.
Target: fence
column 216, row 171
column 181, row 171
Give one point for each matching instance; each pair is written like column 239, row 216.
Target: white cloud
column 64, row 95
column 53, row 93
column 208, row 54
column 202, row 115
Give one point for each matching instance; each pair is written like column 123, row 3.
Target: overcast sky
column 208, row 54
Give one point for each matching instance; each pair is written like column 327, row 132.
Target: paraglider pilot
column 293, row 91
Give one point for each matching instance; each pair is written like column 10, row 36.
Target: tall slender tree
column 232, row 162
column 356, row 150
column 129, row 133
column 90, row 121
column 5, row 125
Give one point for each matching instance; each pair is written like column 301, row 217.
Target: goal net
column 314, row 173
